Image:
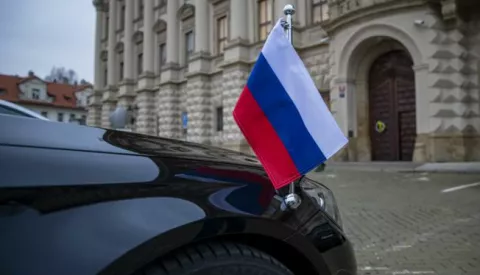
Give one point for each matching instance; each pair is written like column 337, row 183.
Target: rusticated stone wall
column 107, row 108
column 316, row 59
column 94, row 115
column 146, row 114
column 234, row 80
column 199, row 108
column 168, row 110
column 453, row 81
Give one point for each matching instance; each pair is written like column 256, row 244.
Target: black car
column 84, row 200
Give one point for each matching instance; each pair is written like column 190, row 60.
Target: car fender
column 61, row 242
column 205, row 229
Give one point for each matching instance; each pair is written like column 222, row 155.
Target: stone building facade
column 400, row 76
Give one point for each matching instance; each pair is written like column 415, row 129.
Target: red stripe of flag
column 264, row 140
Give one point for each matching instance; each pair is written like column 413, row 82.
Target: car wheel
column 216, row 259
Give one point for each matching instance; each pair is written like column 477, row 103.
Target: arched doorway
column 392, row 116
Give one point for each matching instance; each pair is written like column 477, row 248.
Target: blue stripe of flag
column 284, row 116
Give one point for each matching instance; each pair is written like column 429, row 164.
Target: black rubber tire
column 218, row 258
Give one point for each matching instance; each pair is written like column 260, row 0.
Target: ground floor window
column 219, row 118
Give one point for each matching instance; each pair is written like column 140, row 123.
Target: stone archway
column 361, row 50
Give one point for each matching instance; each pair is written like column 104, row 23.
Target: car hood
column 223, row 176
column 47, row 134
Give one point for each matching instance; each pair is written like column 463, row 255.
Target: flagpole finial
column 289, row 9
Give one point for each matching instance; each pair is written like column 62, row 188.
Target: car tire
column 217, row 259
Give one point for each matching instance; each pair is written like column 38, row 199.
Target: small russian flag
column 282, row 115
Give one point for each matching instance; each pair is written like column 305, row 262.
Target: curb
column 460, row 168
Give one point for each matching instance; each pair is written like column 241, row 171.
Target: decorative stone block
column 146, row 120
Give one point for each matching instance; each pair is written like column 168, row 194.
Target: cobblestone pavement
column 402, row 223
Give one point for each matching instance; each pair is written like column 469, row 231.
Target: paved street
column 402, row 223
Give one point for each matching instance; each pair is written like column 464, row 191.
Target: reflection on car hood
column 37, row 133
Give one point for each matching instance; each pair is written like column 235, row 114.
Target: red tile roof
column 63, row 94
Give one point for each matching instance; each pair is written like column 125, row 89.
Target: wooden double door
column 392, row 107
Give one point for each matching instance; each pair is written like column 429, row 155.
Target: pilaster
column 128, row 51
column 168, row 99
column 202, row 22
column 109, row 103
column 169, row 114
column 172, row 32
column 148, row 35
column 126, row 93
column 199, row 107
column 94, row 112
column 235, row 76
column 146, row 121
column 112, row 23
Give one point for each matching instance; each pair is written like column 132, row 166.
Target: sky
column 40, row 34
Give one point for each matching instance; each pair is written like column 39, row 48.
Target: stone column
column 109, row 97
column 199, row 108
column 146, row 120
column 301, row 13
column 235, row 73
column 169, row 110
column 238, row 22
column 199, row 103
column 343, row 110
column 168, row 98
column 172, row 32
column 128, row 41
column 126, row 92
column 201, row 26
column 112, row 28
column 94, row 100
column 98, row 37
column 235, row 76
column 422, row 99
column 148, row 35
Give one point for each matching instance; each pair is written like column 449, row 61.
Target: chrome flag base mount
column 291, row 200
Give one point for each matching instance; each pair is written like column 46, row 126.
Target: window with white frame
column 121, row 68
column 222, row 33
column 139, row 63
column 162, row 53
column 105, row 77
column 107, row 19
column 36, row 94
column 264, row 18
column 319, row 11
column 122, row 17
column 140, row 8
column 189, row 45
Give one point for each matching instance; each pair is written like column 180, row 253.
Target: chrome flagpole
column 292, row 200
column 289, row 11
